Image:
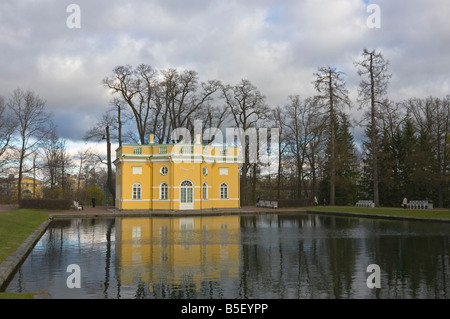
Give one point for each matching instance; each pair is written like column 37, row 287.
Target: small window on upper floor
column 137, row 150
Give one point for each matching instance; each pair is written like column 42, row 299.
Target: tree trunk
column 332, row 145
column 109, row 182
column 373, row 137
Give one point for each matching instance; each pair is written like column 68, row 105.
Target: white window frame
column 164, row 191
column 224, row 191
column 137, row 191
column 205, row 191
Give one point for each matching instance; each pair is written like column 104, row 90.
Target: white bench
column 365, row 203
column 76, row 205
column 419, row 204
column 267, row 204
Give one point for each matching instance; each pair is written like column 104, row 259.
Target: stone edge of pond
column 13, row 261
column 174, row 213
column 379, row 216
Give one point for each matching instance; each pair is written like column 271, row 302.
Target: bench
column 365, row 203
column 77, row 206
column 419, row 204
column 267, row 204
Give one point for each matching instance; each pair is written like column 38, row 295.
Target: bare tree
column 120, row 117
column 301, row 128
column 56, row 162
column 333, row 95
column 135, row 87
column 182, row 96
column 34, row 126
column 280, row 120
column 160, row 101
column 87, row 161
column 52, row 156
column 248, row 108
column 7, row 127
column 372, row 68
column 100, row 132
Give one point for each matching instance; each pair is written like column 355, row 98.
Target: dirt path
column 5, row 207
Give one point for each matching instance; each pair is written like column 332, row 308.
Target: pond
column 263, row 256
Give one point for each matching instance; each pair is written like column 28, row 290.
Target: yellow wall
column 29, row 189
column 142, row 164
column 166, row 250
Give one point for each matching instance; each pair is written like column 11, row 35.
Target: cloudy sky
column 277, row 45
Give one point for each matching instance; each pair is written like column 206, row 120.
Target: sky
column 62, row 53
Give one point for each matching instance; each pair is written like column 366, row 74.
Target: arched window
column 186, row 192
column 137, row 191
column 223, row 191
column 164, row 191
column 205, row 191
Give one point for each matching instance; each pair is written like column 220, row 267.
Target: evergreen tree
column 346, row 165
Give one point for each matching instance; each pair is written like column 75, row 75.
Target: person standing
column 405, row 202
column 93, row 202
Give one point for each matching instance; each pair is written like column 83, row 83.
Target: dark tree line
column 403, row 152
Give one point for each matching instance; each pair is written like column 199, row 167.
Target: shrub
column 46, row 203
column 93, row 192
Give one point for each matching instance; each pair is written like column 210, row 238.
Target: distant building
column 176, row 177
column 30, row 187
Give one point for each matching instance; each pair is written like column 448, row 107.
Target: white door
column 186, row 195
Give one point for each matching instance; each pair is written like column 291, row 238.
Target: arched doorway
column 186, row 195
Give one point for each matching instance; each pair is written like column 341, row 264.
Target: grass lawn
column 7, row 295
column 389, row 211
column 15, row 226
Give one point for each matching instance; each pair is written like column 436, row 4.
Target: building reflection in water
column 176, row 255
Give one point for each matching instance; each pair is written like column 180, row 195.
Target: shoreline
column 105, row 212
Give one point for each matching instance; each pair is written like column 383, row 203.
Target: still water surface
column 268, row 256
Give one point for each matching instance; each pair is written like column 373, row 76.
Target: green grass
column 15, row 226
column 7, row 295
column 388, row 211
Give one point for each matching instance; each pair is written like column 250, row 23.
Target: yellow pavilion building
column 177, row 176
